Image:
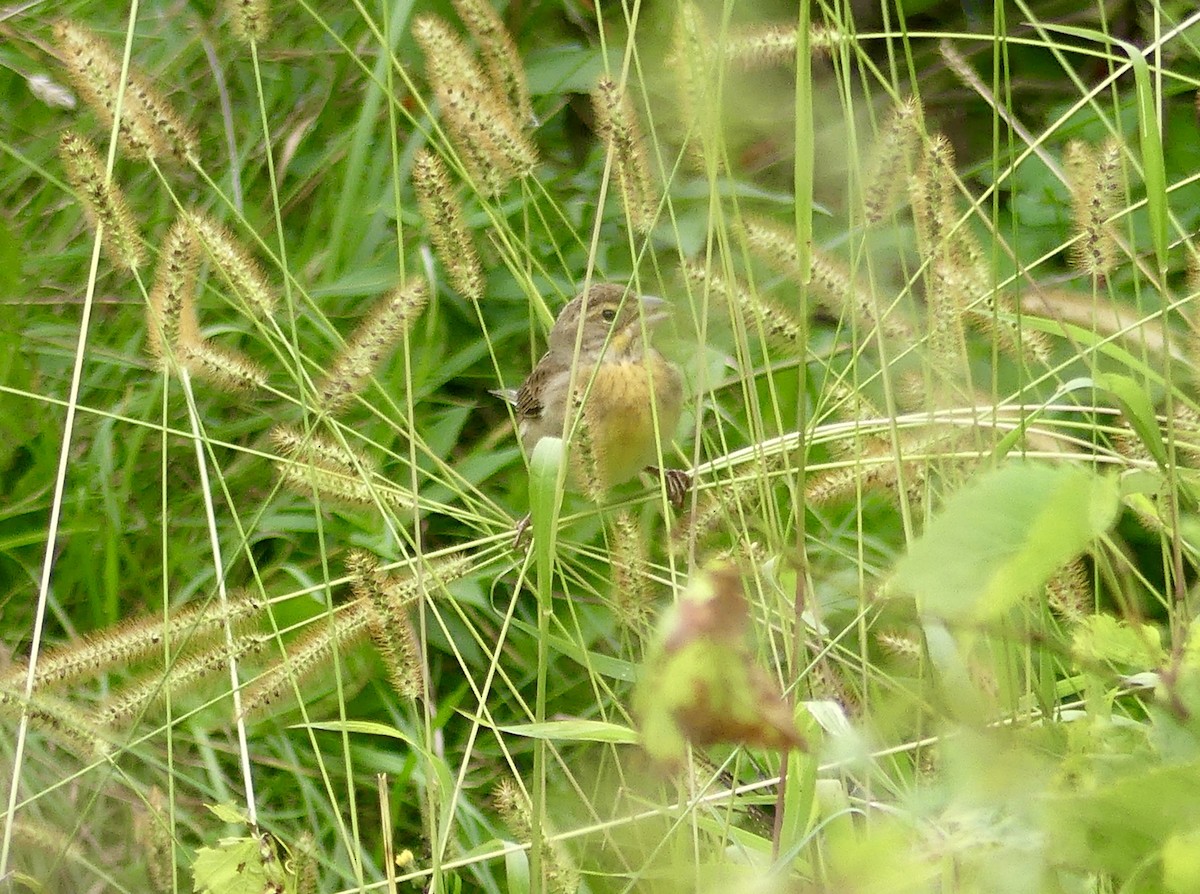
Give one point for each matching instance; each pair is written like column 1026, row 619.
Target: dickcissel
column 597, row 346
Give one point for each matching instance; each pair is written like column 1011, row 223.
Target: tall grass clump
column 286, row 596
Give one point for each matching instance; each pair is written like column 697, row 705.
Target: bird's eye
column 608, row 314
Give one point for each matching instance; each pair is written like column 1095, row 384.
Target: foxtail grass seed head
column 944, row 248
column 893, row 154
column 831, row 283
column 171, row 314
column 133, row 641
column 617, row 123
column 876, row 468
column 515, row 809
column 1094, row 178
column 370, row 343
column 50, row 840
column 631, row 592
column 225, row 368
column 1193, row 285
column 475, row 115
column 428, row 580
column 182, row 677
column 1069, row 594
column 95, row 73
column 152, row 832
column 103, row 201
column 367, row 579
column 317, row 449
column 777, row 324
column 933, row 198
column 690, row 60
column 585, row 455
column 902, row 646
column 396, row 639
column 250, row 19
column 238, row 268
column 482, row 125
column 149, row 127
column 305, row 656
column 774, row 46
column 499, row 53
column 58, row 721
column 443, row 214
column 332, row 480
column 764, row 46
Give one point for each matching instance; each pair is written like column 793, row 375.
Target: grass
column 954, row 470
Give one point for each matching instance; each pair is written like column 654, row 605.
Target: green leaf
column 574, row 731
column 605, row 665
column 516, row 870
column 11, row 257
column 365, row 727
column 1138, row 409
column 1181, row 863
column 1103, row 638
column 1003, row 536
column 238, row 866
column 545, row 487
column 1116, row 827
column 229, row 813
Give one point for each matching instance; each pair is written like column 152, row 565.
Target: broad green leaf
column 1181, row 863
column 1002, row 537
column 545, row 488
column 239, row 866
column 1103, row 638
column 1116, row 827
column 606, row 665
column 516, row 870
column 574, row 731
column 1138, row 409
column 229, row 813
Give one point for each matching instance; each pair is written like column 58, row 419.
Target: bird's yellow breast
column 621, row 406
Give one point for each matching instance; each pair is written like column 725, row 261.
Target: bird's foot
column 678, row 482
column 522, row 527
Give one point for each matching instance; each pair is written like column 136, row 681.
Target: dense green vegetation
column 924, row 621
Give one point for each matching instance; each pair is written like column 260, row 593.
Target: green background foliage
column 967, row 567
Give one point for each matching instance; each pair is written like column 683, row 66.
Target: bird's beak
column 654, row 309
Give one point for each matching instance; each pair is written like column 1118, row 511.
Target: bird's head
column 603, row 309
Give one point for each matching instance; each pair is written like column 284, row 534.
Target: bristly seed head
column 447, row 227
column 223, row 367
column 238, row 268
column 499, row 53
column 893, row 159
column 1094, row 178
column 171, row 315
column 103, row 201
column 777, row 324
column 369, row 344
column 250, row 19
column 149, row 127
column 481, row 121
column 617, row 123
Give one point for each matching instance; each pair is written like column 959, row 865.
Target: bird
column 596, row 346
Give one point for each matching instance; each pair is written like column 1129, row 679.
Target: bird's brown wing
column 529, row 401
